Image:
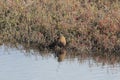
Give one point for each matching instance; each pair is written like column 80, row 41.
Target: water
column 16, row 64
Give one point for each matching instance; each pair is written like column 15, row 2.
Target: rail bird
column 61, row 41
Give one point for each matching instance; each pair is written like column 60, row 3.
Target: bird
column 61, row 41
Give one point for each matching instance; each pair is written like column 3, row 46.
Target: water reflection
column 24, row 63
column 60, row 54
column 106, row 59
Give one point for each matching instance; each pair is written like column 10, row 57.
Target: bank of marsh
column 86, row 25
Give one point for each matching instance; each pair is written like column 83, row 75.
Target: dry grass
column 86, row 24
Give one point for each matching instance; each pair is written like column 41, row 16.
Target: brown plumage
column 60, row 53
column 61, row 41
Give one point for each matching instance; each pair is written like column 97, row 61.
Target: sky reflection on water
column 18, row 65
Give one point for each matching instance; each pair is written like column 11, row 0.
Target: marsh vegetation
column 88, row 25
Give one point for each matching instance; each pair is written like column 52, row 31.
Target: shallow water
column 17, row 64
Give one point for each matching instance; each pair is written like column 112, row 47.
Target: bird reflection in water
column 60, row 54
